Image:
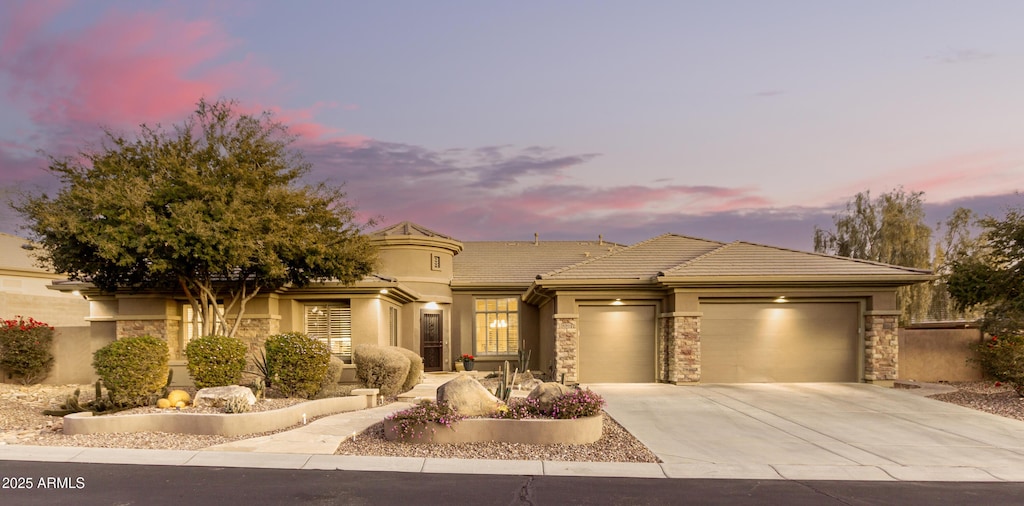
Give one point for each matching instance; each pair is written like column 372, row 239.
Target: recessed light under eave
column 781, row 299
column 617, row 302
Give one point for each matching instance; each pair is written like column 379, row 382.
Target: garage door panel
column 791, row 342
column 617, row 344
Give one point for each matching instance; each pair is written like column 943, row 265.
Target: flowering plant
column 25, row 348
column 409, row 421
column 574, row 404
column 466, row 358
column 1002, row 358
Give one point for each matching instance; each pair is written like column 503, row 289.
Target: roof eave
column 820, row 280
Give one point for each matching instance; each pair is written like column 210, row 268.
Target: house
column 24, row 292
column 671, row 309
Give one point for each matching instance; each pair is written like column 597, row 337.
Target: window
column 332, row 325
column 188, row 321
column 497, row 326
column 393, row 326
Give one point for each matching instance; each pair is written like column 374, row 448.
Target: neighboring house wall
column 939, row 352
column 24, row 292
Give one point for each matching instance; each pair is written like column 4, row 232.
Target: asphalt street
column 29, row 483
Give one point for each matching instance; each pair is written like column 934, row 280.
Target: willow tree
column 890, row 229
column 213, row 208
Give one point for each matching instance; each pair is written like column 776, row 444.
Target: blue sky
column 751, row 120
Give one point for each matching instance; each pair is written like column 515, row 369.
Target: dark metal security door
column 431, row 341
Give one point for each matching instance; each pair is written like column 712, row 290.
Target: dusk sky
column 752, row 120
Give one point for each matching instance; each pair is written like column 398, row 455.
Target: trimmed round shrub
column 215, row 361
column 383, row 368
column 297, row 363
column 329, row 386
column 25, row 349
column 133, row 369
column 415, row 376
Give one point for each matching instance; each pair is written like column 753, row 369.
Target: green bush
column 133, row 369
column 1003, row 359
column 383, row 368
column 415, row 376
column 329, row 386
column 25, row 349
column 297, row 363
column 215, row 361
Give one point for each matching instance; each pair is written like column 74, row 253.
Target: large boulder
column 467, row 396
column 546, row 393
column 217, row 397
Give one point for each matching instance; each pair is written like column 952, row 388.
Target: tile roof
column 643, row 260
column 752, row 260
column 519, row 262
column 408, row 228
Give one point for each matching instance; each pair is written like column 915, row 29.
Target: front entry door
column 431, row 341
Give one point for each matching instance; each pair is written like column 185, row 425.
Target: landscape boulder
column 546, row 393
column 217, row 397
column 467, row 396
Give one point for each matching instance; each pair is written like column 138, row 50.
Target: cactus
column 259, row 388
column 524, row 356
column 237, row 405
column 71, row 405
column 504, row 390
column 167, row 386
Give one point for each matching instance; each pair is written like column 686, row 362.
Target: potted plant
column 467, row 361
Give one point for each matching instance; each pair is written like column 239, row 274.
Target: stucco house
column 24, row 292
column 672, row 309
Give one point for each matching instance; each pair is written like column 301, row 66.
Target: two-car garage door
column 740, row 343
column 791, row 342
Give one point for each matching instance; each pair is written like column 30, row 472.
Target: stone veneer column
column 881, row 346
column 680, row 347
column 567, row 352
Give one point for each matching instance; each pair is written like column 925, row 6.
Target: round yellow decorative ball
column 163, row 403
column 180, row 404
column 178, row 395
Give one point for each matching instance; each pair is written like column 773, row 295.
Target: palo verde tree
column 890, row 229
column 213, row 208
column 993, row 279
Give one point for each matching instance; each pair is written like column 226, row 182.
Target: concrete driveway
column 816, row 431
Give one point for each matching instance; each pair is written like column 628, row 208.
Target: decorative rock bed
column 182, row 422
column 529, row 431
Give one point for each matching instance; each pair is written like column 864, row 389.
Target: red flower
column 998, row 384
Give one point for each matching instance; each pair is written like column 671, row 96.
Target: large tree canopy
column 993, row 280
column 889, row 229
column 214, row 208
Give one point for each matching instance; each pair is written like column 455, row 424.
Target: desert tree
column 214, row 208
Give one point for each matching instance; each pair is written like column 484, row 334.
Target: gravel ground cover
column 22, row 422
column 986, row 396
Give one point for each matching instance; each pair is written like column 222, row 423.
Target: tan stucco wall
column 936, row 354
column 545, row 354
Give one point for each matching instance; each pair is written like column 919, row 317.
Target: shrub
column 415, row 376
column 408, row 420
column 329, row 386
column 1003, row 359
column 215, row 361
column 576, row 403
column 383, row 368
column 133, row 369
column 25, row 348
column 297, row 363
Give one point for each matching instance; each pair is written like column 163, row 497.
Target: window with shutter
column 332, row 325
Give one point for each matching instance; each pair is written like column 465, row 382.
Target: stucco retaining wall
column 234, row 424
column 529, row 431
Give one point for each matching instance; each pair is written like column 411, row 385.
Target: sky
column 727, row 120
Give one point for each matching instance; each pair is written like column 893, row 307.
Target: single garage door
column 617, row 344
column 789, row 342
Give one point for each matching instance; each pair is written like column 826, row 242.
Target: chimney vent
column 536, row 239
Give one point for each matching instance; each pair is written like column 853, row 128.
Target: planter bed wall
column 234, row 424
column 529, row 431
